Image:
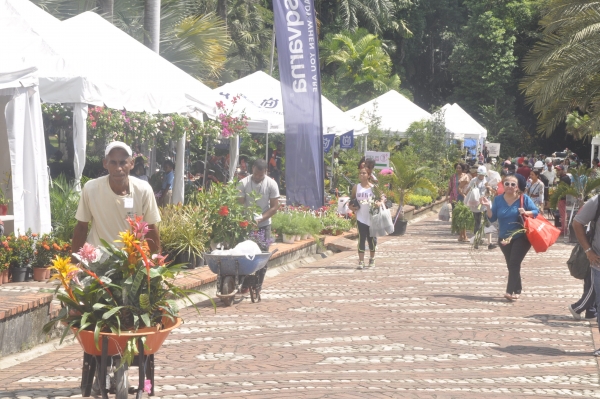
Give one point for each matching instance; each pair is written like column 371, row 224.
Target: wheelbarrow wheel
column 227, row 287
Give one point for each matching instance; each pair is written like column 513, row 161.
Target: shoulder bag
column 540, row 232
column 578, row 263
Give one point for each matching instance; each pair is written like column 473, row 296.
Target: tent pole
column 332, row 159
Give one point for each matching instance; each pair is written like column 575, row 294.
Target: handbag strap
column 592, row 230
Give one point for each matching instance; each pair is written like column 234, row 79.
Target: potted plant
column 47, row 247
column 21, row 255
column 462, row 218
column 4, row 201
column 183, row 232
column 124, row 293
column 405, row 179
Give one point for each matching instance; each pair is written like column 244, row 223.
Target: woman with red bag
column 513, row 243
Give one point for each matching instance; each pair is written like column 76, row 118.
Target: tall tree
column 152, row 24
column 356, row 68
column 563, row 69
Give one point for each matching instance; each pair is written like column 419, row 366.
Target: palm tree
column 197, row 43
column 360, row 67
column 583, row 185
column 406, row 179
column 563, row 68
column 152, row 24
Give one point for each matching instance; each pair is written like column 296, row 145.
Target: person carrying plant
column 458, row 182
column 109, row 200
column 363, row 193
column 260, row 190
column 507, row 209
column 480, row 184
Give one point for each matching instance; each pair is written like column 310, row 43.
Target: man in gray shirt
column 591, row 282
column 265, row 189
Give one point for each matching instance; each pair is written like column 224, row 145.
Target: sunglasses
column 510, row 184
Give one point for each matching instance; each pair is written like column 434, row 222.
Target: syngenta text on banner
column 300, row 77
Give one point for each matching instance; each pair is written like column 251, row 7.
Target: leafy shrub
column 418, row 200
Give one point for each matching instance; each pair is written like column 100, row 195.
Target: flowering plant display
column 18, row 250
column 115, row 289
column 258, row 236
column 47, row 247
column 230, row 222
column 226, row 124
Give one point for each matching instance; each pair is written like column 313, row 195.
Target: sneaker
column 361, row 265
column 576, row 315
column 372, row 262
column 492, row 246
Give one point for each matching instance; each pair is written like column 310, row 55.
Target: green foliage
column 356, row 68
column 418, row 200
column 184, row 229
column 462, row 218
column 583, row 186
column 64, row 200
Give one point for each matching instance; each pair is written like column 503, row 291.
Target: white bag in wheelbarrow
column 248, row 248
column 381, row 223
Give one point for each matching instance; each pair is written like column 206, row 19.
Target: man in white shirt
column 109, row 200
column 550, row 173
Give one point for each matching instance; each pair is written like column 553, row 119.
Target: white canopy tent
column 462, row 124
column 261, row 101
column 394, row 111
column 116, row 71
column 22, row 149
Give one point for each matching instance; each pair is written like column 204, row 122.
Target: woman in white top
column 536, row 189
column 364, row 194
column 479, row 183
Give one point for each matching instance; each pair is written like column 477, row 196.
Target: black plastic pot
column 19, row 274
column 192, row 261
column 400, row 227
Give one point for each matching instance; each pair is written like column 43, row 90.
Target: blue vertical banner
column 347, row 140
column 328, row 140
column 300, row 77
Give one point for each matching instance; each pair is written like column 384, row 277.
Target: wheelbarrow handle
column 276, row 249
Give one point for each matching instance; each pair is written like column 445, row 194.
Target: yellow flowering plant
column 115, row 289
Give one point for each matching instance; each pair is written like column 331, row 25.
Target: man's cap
column 560, row 167
column 538, row 164
column 506, row 163
column 481, row 170
column 117, row 144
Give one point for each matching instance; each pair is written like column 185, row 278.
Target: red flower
column 244, row 224
column 224, row 211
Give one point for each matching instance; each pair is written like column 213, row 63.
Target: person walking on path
column 591, row 283
column 561, row 174
column 266, row 189
column 524, row 170
column 509, row 209
column 108, row 201
column 479, row 183
column 536, row 190
column 458, row 182
column 363, row 192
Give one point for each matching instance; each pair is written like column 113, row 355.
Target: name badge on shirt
column 128, row 203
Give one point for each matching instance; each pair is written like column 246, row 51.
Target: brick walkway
column 428, row 322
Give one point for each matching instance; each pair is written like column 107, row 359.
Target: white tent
column 462, row 124
column 22, row 149
column 394, row 111
column 261, row 101
column 87, row 60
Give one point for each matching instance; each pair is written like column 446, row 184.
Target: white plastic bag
column 472, row 198
column 381, row 223
column 444, row 214
column 248, row 248
column 343, row 208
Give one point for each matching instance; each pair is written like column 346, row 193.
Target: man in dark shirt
column 562, row 202
column 524, row 170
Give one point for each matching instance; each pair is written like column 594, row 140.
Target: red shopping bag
column 540, row 232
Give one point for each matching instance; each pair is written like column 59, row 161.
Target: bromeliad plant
column 117, row 289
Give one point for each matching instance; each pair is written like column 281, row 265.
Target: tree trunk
column 106, row 8
column 222, row 10
column 152, row 24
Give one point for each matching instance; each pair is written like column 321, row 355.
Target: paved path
column 428, row 322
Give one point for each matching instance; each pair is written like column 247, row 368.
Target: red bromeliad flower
column 244, row 224
column 224, row 211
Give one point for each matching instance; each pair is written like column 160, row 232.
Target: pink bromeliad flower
column 147, row 386
column 140, row 228
column 88, row 253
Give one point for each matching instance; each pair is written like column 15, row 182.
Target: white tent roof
column 261, row 101
column 395, row 111
column 462, row 124
column 88, row 60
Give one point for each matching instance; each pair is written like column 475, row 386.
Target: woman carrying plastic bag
column 364, row 195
